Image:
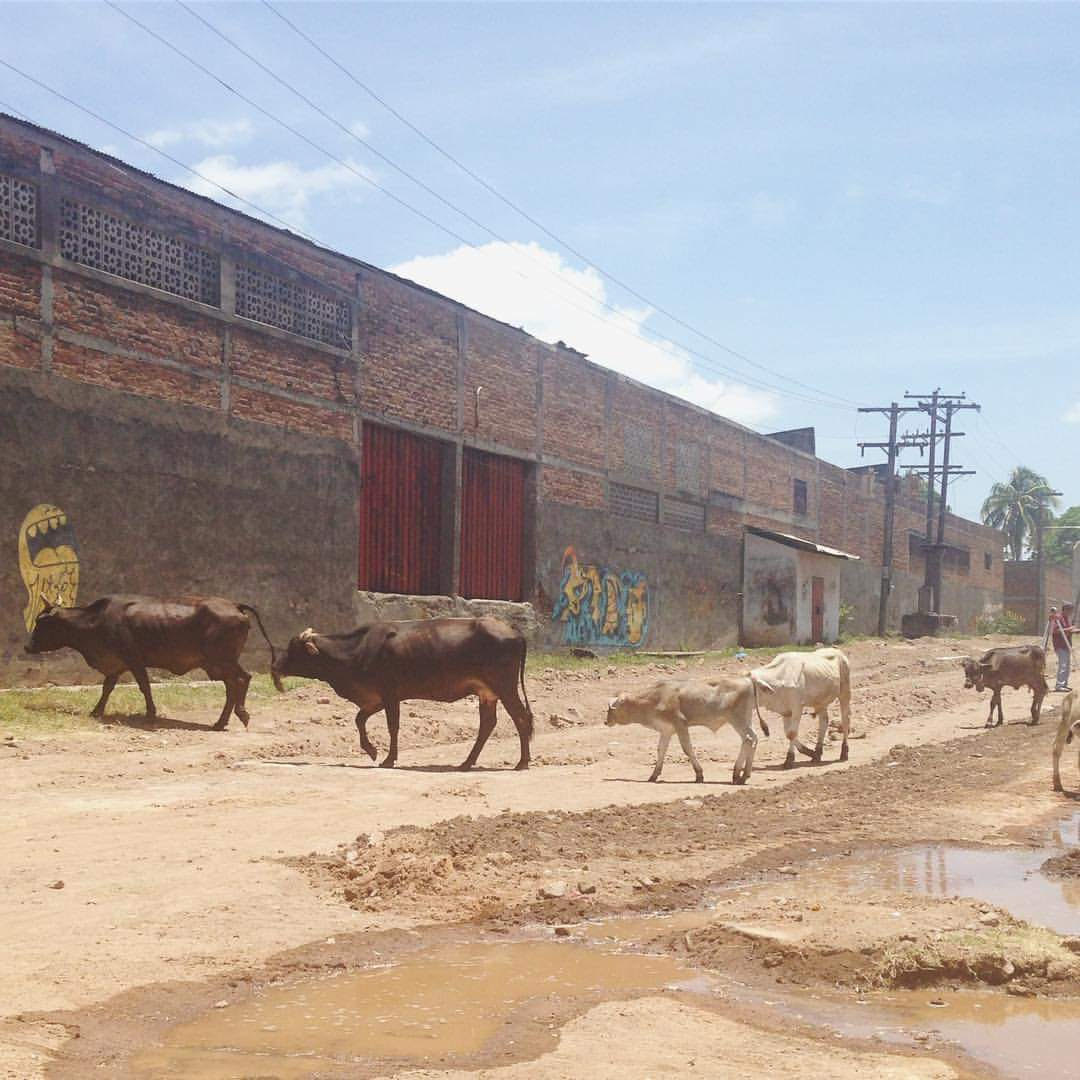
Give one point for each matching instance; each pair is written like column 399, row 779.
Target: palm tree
column 1017, row 505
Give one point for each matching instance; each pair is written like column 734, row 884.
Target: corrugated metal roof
column 801, row 543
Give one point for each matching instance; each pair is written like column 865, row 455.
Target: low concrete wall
column 374, row 606
column 860, row 588
column 170, row 501
column 608, row 582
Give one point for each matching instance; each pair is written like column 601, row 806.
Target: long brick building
column 194, row 401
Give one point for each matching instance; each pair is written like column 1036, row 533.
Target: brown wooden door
column 400, row 512
column 492, row 526
column 817, row 609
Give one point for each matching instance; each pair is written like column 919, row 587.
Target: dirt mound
column 1064, row 867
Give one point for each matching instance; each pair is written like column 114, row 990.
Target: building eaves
column 801, row 543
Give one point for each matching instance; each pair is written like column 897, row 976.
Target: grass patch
column 29, row 713
column 990, row 955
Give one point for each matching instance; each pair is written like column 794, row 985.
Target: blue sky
column 861, row 199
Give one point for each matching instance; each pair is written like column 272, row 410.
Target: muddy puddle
column 452, row 1004
column 444, row 1003
column 1009, row 878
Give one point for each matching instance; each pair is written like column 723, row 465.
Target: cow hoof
column 220, row 725
column 244, row 716
column 843, row 752
column 699, row 778
column 389, row 763
column 738, row 779
column 654, row 778
column 97, row 714
column 521, row 766
column 1058, row 786
column 789, row 763
column 370, row 751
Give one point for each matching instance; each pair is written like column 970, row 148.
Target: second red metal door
column 492, row 526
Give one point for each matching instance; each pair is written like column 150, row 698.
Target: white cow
column 672, row 707
column 794, row 681
column 1069, row 726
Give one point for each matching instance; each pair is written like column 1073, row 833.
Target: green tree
column 1058, row 546
column 1016, row 506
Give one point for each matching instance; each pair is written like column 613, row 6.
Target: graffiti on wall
column 48, row 561
column 598, row 606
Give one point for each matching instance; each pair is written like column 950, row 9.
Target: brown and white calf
column 1067, row 728
column 672, row 707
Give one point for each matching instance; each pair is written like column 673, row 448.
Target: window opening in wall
column 288, row 305
column 683, row 514
column 117, row 246
column 988, row 560
column 799, row 496
column 634, row 502
column 18, row 211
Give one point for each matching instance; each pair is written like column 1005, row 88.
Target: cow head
column 974, row 673
column 615, row 713
column 50, row 631
column 301, row 657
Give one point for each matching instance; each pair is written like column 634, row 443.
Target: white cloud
column 281, row 187
column 487, row 278
column 360, row 129
column 215, row 134
column 1073, row 415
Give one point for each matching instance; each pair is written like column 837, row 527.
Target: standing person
column 1061, row 632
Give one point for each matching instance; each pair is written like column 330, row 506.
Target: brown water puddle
column 1018, row 1036
column 449, row 1001
column 1006, row 877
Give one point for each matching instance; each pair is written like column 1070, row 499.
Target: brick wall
column 414, row 359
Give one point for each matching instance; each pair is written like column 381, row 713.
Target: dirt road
column 138, row 856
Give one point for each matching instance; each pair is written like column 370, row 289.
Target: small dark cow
column 132, row 633
column 382, row 664
column 1015, row 666
column 1067, row 728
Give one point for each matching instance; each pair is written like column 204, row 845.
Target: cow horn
column 307, row 638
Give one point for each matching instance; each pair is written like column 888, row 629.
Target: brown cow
column 380, row 665
column 1015, row 666
column 132, row 633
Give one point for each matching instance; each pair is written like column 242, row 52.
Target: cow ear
column 311, row 647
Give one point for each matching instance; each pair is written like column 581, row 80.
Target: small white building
column 791, row 589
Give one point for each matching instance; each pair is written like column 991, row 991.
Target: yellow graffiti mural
column 600, row 606
column 48, row 561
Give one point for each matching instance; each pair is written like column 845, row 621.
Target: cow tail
column 524, row 692
column 248, row 609
column 760, row 718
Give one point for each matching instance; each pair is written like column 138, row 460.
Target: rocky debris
column 552, row 890
column 586, row 888
column 1063, row 866
column 1058, row 970
column 562, row 931
column 56, row 884
column 990, row 919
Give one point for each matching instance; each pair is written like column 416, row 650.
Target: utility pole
column 935, row 403
column 891, row 448
column 1040, row 583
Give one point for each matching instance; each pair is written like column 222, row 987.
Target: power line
column 711, row 363
column 513, row 205
column 157, row 150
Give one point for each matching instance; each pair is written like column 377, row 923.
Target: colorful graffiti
column 48, row 561
column 600, row 606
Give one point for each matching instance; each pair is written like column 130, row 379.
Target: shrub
column 1000, row 622
column 847, row 618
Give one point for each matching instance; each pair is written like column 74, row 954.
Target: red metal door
column 817, row 609
column 400, row 512
column 492, row 526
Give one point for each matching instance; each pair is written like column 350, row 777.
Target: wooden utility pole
column 891, row 448
column 935, row 404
